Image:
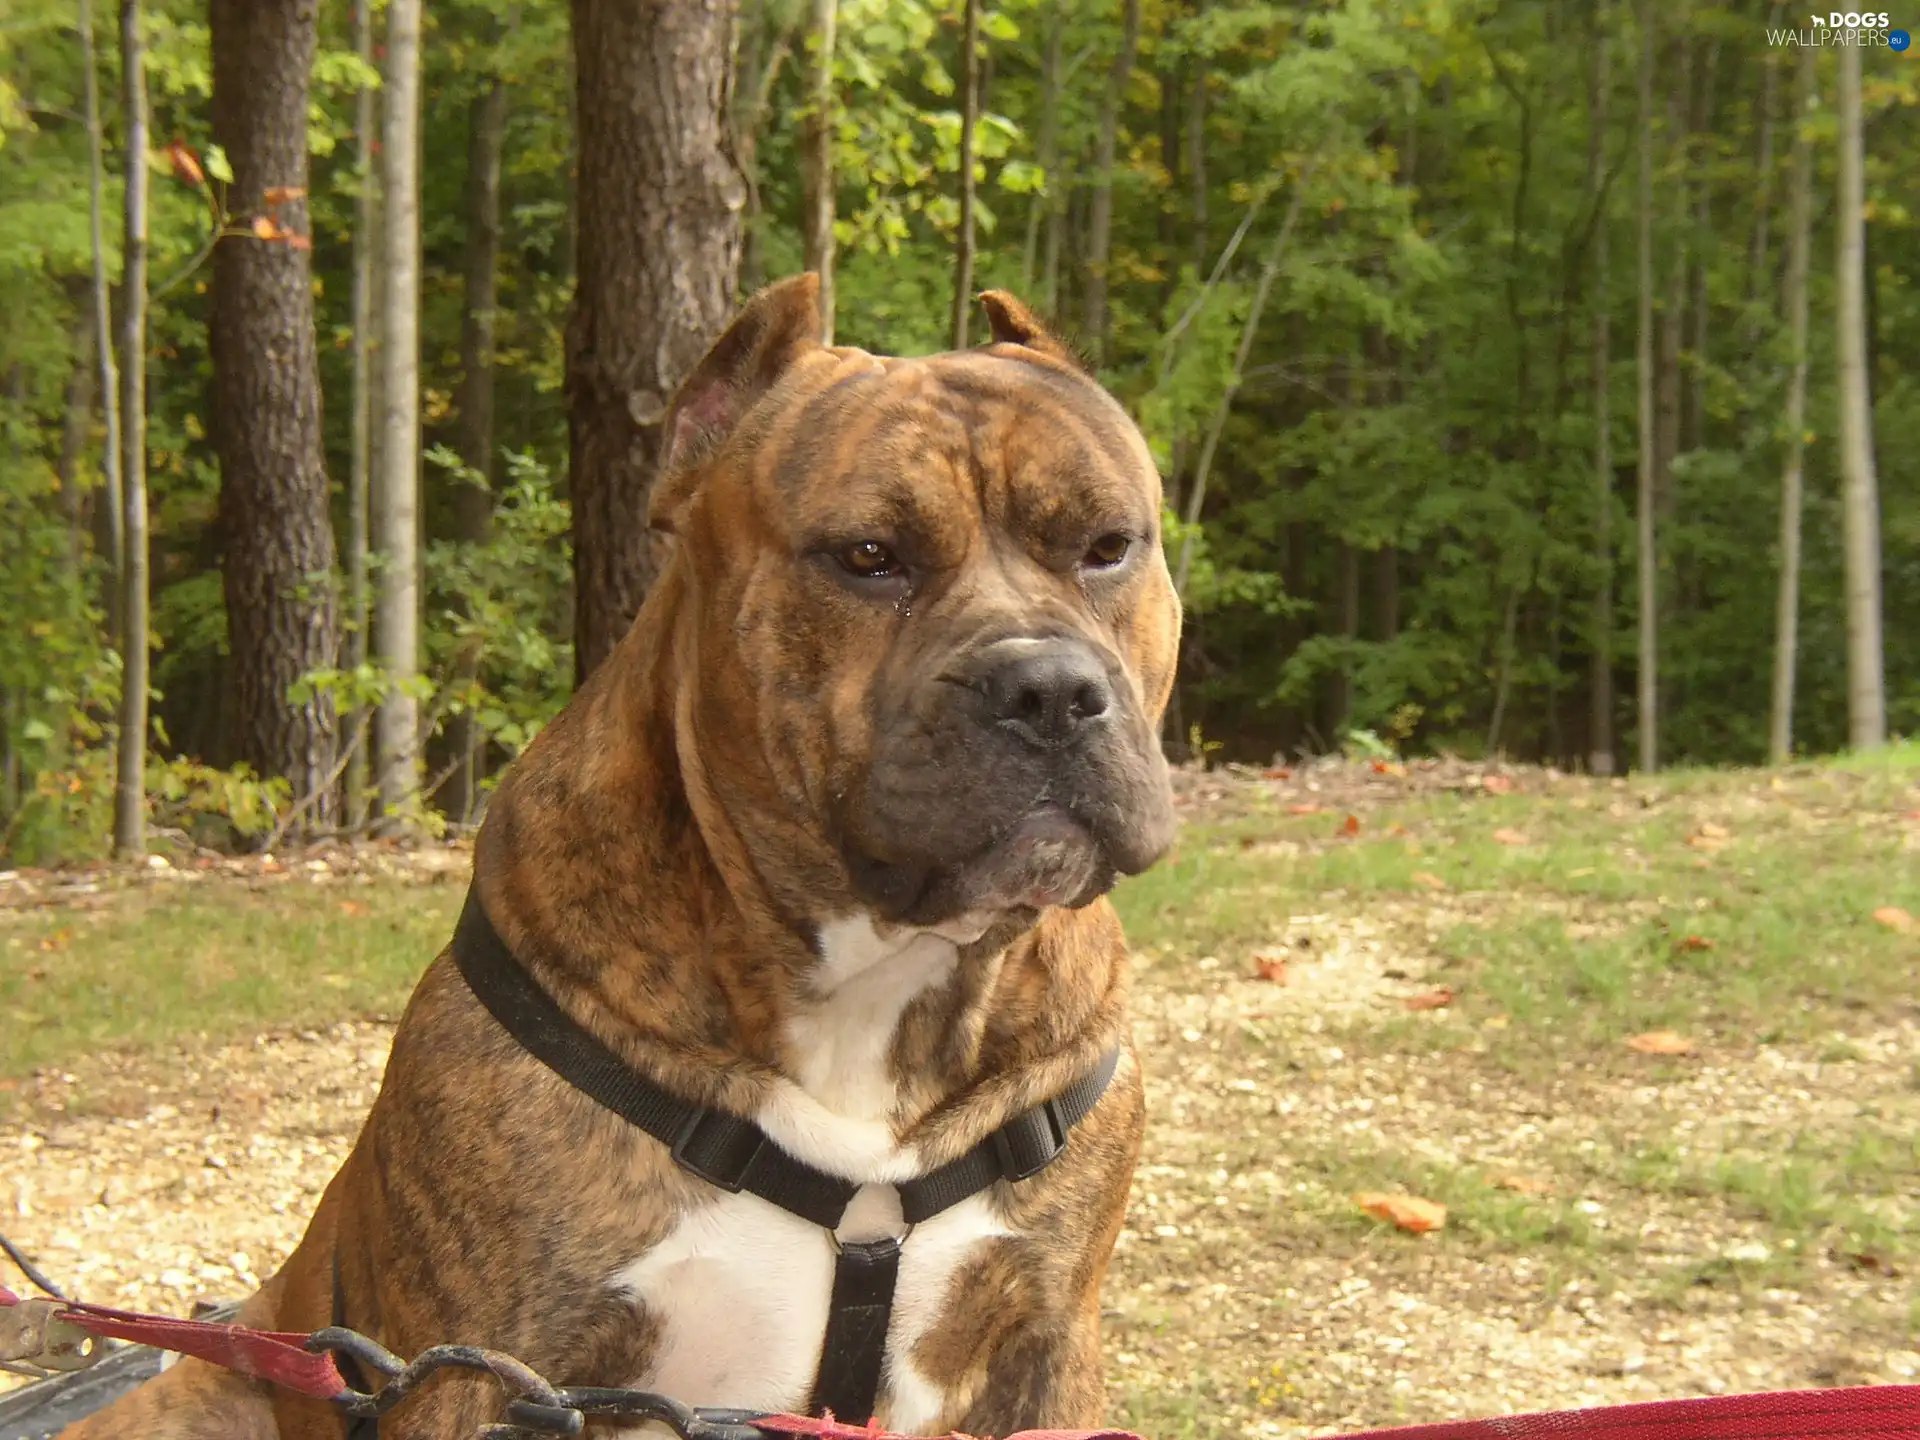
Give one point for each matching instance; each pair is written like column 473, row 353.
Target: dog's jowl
column 780, row 1060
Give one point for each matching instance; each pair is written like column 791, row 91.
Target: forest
column 1530, row 377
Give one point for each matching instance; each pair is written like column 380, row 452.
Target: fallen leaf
column 1660, row 1042
column 1431, row 1000
column 1496, row 1022
column 1350, row 826
column 353, row 909
column 1497, row 784
column 1708, row 837
column 1713, row 831
column 59, row 940
column 1307, row 809
column 1399, row 832
column 1432, row 882
column 1509, row 837
column 1694, row 942
column 1896, row 919
column 1389, row 767
column 1522, row 1184
column 1277, row 772
column 1270, row 965
column 1409, row 1212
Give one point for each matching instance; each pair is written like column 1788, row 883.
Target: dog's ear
column 1013, row 323
column 773, row 330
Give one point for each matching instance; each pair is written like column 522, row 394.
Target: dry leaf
column 59, row 940
column 1350, row 826
column 1431, row 1000
column 1496, row 1022
column 1497, row 784
column 265, row 228
column 1522, row 1184
column 1432, row 882
column 1708, row 837
column 281, row 194
column 1307, row 809
column 353, row 909
column 1389, row 767
column 1660, row 1042
column 1694, row 942
column 1277, row 772
column 1896, row 919
column 1509, row 837
column 185, row 164
column 1409, row 1212
column 1270, row 965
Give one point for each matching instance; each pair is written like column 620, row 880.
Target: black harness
column 736, row 1155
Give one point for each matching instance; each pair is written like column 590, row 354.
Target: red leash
column 1873, row 1412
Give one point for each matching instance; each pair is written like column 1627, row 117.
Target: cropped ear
column 1013, row 323
column 774, row 329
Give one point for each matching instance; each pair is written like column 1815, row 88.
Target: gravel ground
column 1247, row 1296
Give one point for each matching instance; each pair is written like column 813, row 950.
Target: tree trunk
column 1673, row 304
column 1694, row 430
column 1859, row 500
column 366, row 242
column 1758, row 245
column 969, row 122
column 1041, row 202
column 278, row 553
column 653, row 78
column 1600, row 687
column 473, row 505
column 75, row 430
column 396, row 484
column 816, row 163
column 1100, row 211
column 1786, row 636
column 1386, row 593
column 1197, row 157
column 1649, row 656
column 129, row 789
column 113, row 505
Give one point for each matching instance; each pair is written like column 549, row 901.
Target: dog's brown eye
column 1108, row 551
column 870, row 560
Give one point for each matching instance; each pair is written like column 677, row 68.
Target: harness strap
column 734, row 1154
column 359, row 1427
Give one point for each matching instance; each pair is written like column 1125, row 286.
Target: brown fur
column 660, row 856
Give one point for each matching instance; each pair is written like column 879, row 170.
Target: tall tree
column 1100, row 203
column 651, row 81
column 1786, row 627
column 816, row 166
column 473, row 504
column 396, row 493
column 278, row 557
column 1600, row 686
column 1859, row 487
column 360, row 465
column 129, row 788
column 1648, row 660
column 103, row 319
column 969, row 123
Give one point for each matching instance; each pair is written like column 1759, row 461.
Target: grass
column 156, row 965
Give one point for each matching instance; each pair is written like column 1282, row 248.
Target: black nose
column 1049, row 693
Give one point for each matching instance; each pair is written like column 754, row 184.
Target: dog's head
column 931, row 614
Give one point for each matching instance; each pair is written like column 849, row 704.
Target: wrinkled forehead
column 969, row 436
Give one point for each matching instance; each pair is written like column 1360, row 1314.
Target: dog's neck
column 614, row 868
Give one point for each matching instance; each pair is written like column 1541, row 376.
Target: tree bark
column 473, row 504
column 113, row 504
column 1347, row 617
column 1600, row 686
column 1859, row 499
column 1786, row 628
column 816, row 166
column 1197, row 156
column 1100, row 210
column 278, row 553
column 366, row 243
column 129, row 788
column 653, row 78
column 969, row 122
column 1047, row 150
column 1057, row 188
column 76, row 426
column 396, row 484
column 1759, row 243
column 1648, row 660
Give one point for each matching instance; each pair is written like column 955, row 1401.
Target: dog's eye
column 870, row 560
column 1108, row 551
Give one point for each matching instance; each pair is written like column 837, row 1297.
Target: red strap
column 1877, row 1412
column 278, row 1357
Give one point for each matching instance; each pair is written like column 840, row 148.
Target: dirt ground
column 1247, row 1297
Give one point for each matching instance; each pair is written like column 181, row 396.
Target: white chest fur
column 739, row 1286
